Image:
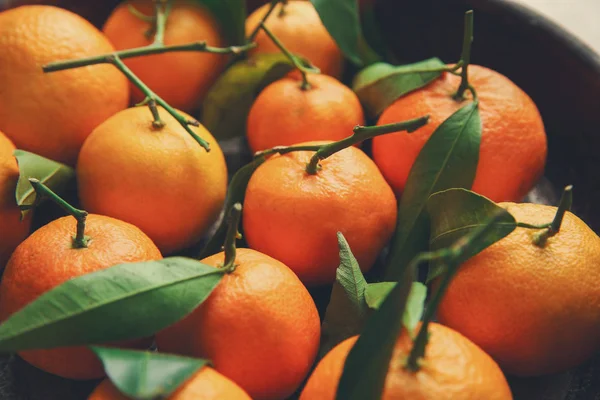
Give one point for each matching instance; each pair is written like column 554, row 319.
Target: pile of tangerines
column 154, row 181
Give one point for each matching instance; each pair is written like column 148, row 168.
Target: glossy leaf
column 376, row 293
column 236, row 192
column 448, row 160
column 341, row 18
column 123, row 302
column 366, row 366
column 454, row 213
column 381, row 84
column 231, row 15
column 227, row 104
column 346, row 311
column 51, row 173
column 146, row 374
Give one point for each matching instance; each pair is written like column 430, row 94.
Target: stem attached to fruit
column 157, row 47
column 154, row 99
column 360, row 134
column 297, row 63
column 566, row 200
column 80, row 240
column 263, row 20
column 466, row 59
column 451, row 257
column 232, row 234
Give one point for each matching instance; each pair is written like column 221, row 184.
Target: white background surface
column 581, row 17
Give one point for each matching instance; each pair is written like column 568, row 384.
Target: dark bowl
column 558, row 71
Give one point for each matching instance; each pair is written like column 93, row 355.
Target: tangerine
column 298, row 26
column 160, row 180
column 52, row 114
column 285, row 114
column 182, row 79
column 207, row 384
column 259, row 327
column 48, row 258
column 454, row 368
column 294, row 216
column 513, row 141
column 13, row 231
column 536, row 310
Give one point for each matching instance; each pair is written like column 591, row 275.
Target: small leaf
column 448, row 160
column 147, row 374
column 341, row 19
column 123, row 302
column 366, row 366
column 231, row 15
column 377, row 292
column 347, row 308
column 227, row 104
column 415, row 305
column 235, row 194
column 456, row 212
column 381, row 84
column 51, row 173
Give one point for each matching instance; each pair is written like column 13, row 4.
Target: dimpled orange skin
column 47, row 259
column 294, row 216
column 260, row 327
column 207, row 384
column 454, row 368
column 284, row 114
column 52, row 114
column 160, row 180
column 182, row 79
column 535, row 310
column 301, row 31
column 13, row 231
column 513, row 143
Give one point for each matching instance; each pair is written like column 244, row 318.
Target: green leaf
column 227, row 104
column 346, row 311
column 448, row 160
column 341, row 18
column 366, row 366
column 51, row 173
column 456, row 212
column 146, row 374
column 123, row 302
column 231, row 15
column 235, row 194
column 381, row 84
column 377, row 292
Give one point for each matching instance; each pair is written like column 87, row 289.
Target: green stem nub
column 80, row 240
column 466, row 59
column 451, row 257
column 566, row 200
column 360, row 134
column 232, row 235
column 297, row 63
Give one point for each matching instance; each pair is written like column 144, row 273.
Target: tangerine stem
column 466, row 59
column 80, row 240
column 154, row 99
column 232, row 234
column 566, row 200
column 452, row 257
column 361, row 133
column 162, row 9
column 287, row 149
column 144, row 51
column 263, row 20
column 303, row 70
